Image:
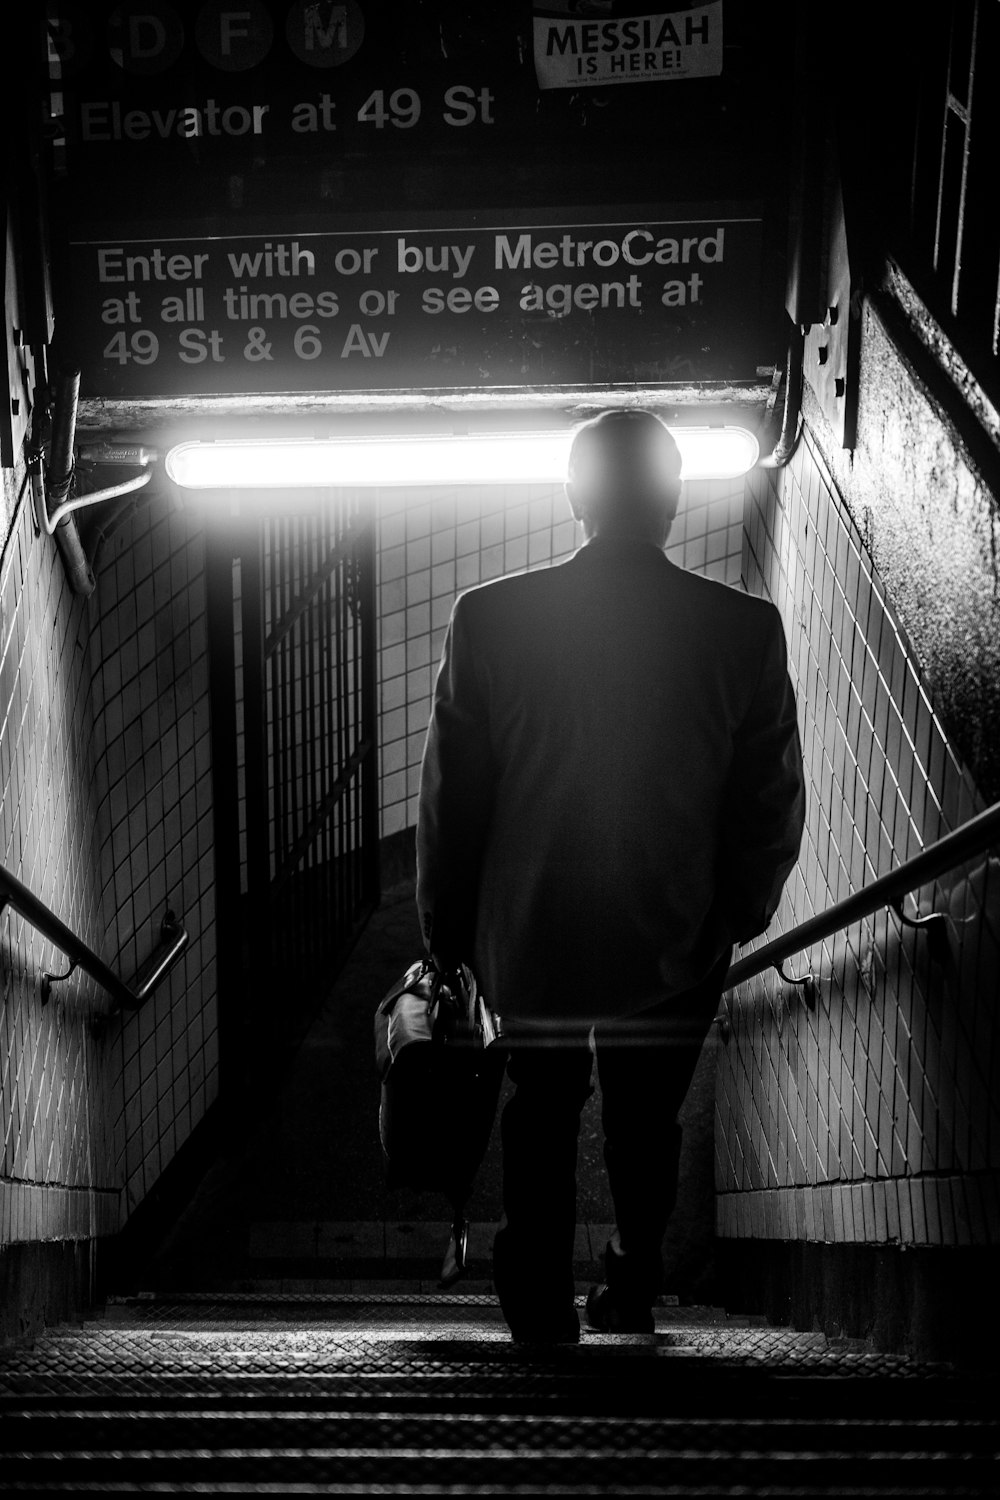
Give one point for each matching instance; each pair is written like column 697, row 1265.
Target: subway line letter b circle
column 323, row 33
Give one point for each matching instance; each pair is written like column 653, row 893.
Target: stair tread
column 255, row 1391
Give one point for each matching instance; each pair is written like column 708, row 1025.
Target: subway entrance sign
column 457, row 300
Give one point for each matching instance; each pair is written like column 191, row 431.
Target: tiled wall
column 434, row 544
column 57, row 1173
column 106, row 816
column 930, row 517
column 875, row 1116
column 148, row 646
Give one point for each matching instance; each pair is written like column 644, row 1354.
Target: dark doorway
column 292, row 654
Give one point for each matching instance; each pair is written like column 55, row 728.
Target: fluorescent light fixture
column 473, row 458
column 500, row 458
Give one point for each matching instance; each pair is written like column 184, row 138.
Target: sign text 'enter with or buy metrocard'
column 428, row 302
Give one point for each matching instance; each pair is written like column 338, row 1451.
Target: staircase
column 361, row 1394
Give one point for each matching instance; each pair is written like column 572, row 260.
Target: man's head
column 624, row 476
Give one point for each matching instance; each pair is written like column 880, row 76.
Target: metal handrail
column 173, row 934
column 974, row 837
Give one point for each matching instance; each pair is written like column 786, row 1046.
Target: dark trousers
column 645, row 1064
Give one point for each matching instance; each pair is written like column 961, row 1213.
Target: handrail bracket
column 806, row 982
column 935, row 925
column 49, row 979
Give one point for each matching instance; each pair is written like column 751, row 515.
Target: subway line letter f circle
column 234, row 35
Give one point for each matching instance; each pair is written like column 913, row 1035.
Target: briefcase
column 441, row 1069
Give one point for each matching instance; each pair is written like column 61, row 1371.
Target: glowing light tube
column 477, row 458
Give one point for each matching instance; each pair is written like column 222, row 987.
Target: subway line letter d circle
column 145, row 39
column 323, row 33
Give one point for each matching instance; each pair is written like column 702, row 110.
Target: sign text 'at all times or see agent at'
column 416, row 306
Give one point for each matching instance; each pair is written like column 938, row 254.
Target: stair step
column 406, row 1300
column 251, row 1392
column 143, row 1427
column 963, row 1473
column 390, row 1238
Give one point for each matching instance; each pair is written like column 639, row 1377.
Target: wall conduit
column 788, row 438
column 53, row 509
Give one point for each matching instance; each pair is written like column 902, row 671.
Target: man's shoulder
column 723, row 601
column 718, row 607
column 514, row 592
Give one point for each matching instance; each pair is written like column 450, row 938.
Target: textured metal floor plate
column 245, row 1394
column 241, row 1334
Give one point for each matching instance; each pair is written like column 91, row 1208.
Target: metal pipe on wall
column 788, row 437
column 61, row 469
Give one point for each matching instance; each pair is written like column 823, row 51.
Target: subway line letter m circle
column 325, row 33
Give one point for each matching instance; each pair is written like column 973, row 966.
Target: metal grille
column 296, row 751
column 953, row 222
column 318, row 711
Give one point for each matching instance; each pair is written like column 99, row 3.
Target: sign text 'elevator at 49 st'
column 475, row 305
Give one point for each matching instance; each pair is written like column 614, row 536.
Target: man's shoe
column 605, row 1314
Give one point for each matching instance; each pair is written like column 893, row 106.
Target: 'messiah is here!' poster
column 591, row 43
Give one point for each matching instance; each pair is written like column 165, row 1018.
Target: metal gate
column 292, row 647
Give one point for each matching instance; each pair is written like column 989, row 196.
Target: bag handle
column 406, row 984
column 460, row 986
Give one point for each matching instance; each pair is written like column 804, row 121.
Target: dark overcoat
column 611, row 790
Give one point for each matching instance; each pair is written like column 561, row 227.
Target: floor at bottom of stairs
column 363, row 1394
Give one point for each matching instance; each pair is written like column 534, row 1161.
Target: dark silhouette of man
column 611, row 797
